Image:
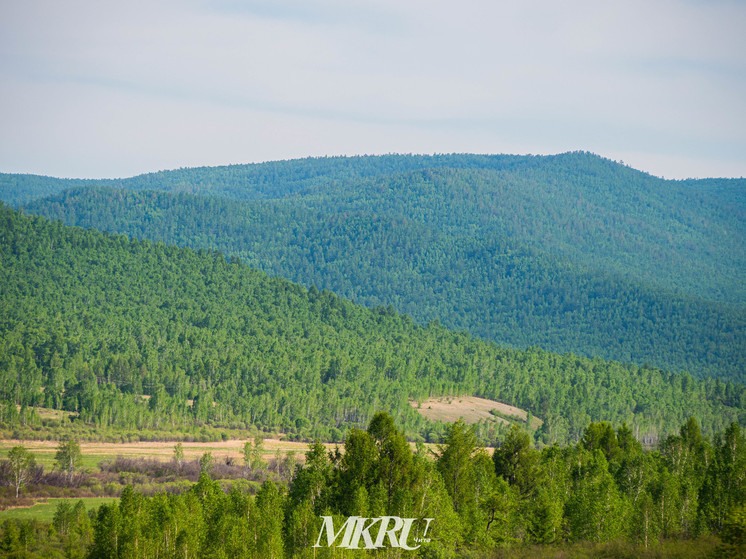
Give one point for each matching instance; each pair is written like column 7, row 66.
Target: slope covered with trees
column 581, row 206
column 408, row 244
column 91, row 322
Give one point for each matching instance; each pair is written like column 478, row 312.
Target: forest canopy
column 91, row 322
column 571, row 253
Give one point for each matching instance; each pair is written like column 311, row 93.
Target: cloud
column 123, row 82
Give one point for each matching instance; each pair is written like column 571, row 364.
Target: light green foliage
column 724, row 484
column 206, row 463
column 458, row 467
column 22, row 464
column 269, row 505
column 253, row 454
column 393, row 465
column 356, row 469
column 595, row 509
column 179, row 454
column 733, row 534
column 68, row 457
column 516, row 461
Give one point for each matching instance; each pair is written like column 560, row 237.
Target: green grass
column 44, row 512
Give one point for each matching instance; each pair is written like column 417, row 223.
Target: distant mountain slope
column 89, row 321
column 431, row 261
column 679, row 235
column 20, row 189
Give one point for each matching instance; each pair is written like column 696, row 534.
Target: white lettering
column 331, row 537
column 357, row 527
column 359, row 530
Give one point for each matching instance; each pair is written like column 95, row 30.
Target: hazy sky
column 110, row 89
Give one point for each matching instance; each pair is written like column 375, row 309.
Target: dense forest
column 602, row 497
column 136, row 334
column 491, row 286
column 571, row 253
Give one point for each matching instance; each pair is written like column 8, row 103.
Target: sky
column 110, row 89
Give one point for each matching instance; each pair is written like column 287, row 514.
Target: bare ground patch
column 471, row 409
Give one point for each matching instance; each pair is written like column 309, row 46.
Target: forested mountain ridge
column 439, row 244
column 685, row 235
column 571, row 252
column 90, row 321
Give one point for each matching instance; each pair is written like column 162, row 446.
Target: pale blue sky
column 109, row 89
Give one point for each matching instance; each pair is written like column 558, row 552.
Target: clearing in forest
column 471, row 409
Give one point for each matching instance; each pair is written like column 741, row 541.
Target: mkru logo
column 356, row 528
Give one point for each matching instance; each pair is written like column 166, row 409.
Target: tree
column 602, row 436
column 68, row 458
column 595, row 510
column 356, row 468
column 394, row 458
column 516, row 461
column 206, row 463
column 22, row 464
column 179, row 455
column 312, row 479
column 456, row 465
column 252, row 454
column 269, row 503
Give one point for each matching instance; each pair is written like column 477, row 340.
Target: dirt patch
column 471, row 409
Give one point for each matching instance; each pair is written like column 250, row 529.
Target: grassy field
column 471, row 409
column 93, row 452
column 44, row 511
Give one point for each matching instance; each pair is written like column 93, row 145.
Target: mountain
column 92, row 322
column 573, row 253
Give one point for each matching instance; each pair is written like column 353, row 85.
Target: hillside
column 90, row 321
column 682, row 235
column 571, row 253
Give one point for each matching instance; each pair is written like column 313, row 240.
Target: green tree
column 393, row 458
column 456, row 464
column 733, row 534
column 312, row 480
column 179, row 455
column 269, row 503
column 645, row 526
column 516, row 461
column 206, row 463
column 595, row 509
column 724, row 485
column 22, row 465
column 68, row 458
column 106, row 533
column 252, row 454
column 602, row 436
column 356, row 472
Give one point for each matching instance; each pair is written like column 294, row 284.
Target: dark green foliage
column 515, row 460
column 91, row 322
column 569, row 252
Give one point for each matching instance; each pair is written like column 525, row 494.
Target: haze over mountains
column 574, row 253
